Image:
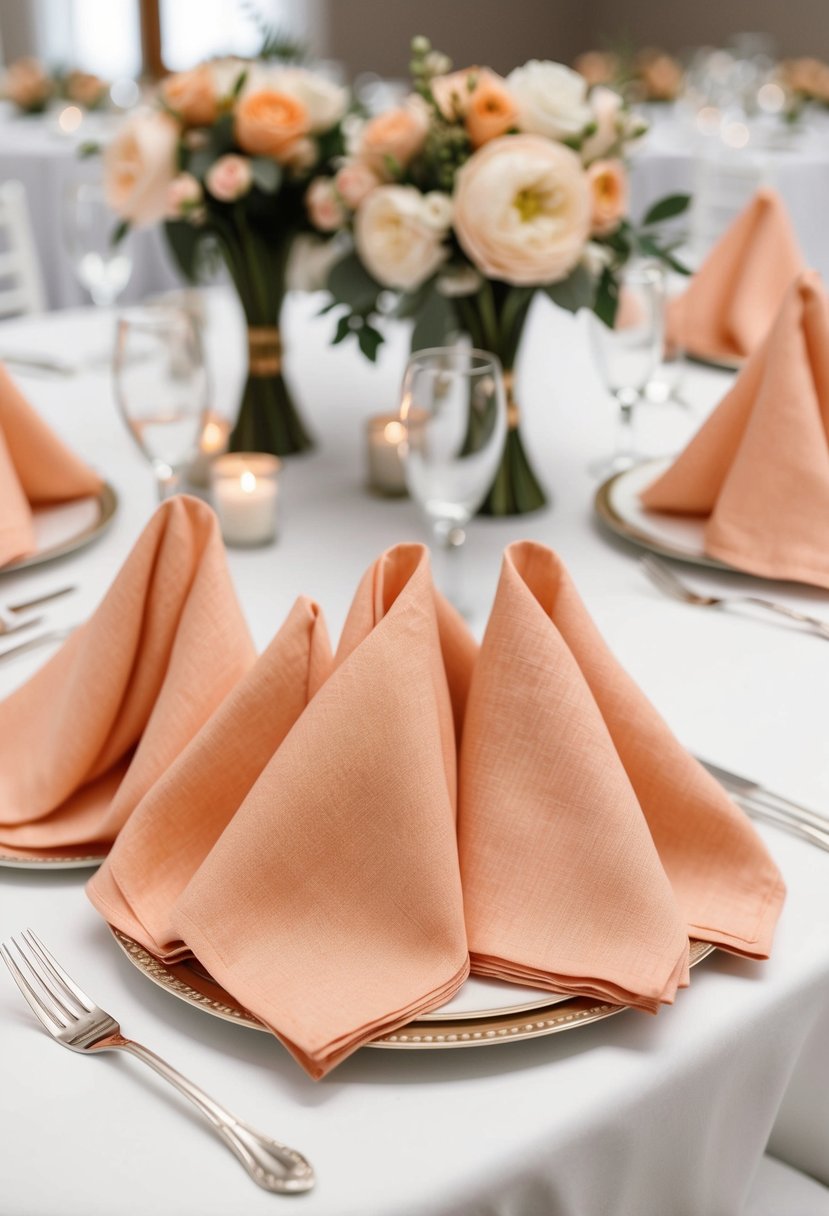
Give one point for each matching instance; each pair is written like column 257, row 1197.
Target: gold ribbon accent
column 264, row 350
column 513, row 412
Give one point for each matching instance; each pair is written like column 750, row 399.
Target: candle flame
column 394, row 432
column 248, row 481
column 213, row 437
column 70, row 119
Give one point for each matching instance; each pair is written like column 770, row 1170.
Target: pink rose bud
column 354, row 181
column 325, row 210
column 184, row 194
column 229, row 178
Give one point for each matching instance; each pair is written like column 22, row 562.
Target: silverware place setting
column 11, row 620
column 669, row 583
column 75, row 1021
column 763, row 804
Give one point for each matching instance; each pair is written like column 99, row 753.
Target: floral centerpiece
column 226, row 158
column 472, row 197
column 649, row 74
column 29, row 85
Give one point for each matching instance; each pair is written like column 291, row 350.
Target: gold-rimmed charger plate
column 70, row 526
column 56, row 861
column 191, row 983
column 720, row 363
column 680, row 536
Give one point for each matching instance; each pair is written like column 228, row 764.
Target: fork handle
column 822, row 627
column 272, row 1165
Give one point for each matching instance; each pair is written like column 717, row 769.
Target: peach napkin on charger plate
column 36, row 468
column 330, row 905
column 591, row 844
column 97, row 726
column 758, row 468
column 732, row 300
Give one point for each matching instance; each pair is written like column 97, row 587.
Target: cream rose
column 394, row 240
column 397, row 135
column 609, row 190
column 523, row 209
column 229, row 178
column 139, row 166
column 551, row 99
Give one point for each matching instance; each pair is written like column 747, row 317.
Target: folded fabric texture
column 36, row 468
column 758, row 468
column 732, row 300
column 591, row 844
column 98, row 725
column 329, row 903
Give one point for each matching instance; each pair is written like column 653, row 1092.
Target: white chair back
column 21, row 283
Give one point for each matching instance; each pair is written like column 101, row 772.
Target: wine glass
column 101, row 266
column 454, row 416
column 628, row 353
column 161, row 387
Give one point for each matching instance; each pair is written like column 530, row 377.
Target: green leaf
column 119, row 232
column 221, row 135
column 239, row 84
column 435, row 322
column 200, row 161
column 666, row 209
column 370, row 341
column 350, row 283
column 575, row 292
column 267, row 174
column 184, row 240
column 607, row 298
column 89, row 148
column 342, row 331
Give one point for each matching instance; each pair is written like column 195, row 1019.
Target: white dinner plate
column 68, row 526
column 681, row 536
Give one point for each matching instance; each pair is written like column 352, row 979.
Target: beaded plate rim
column 179, row 980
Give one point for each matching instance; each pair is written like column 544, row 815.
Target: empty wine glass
column 101, row 266
column 161, row 387
column 628, row 353
column 453, row 411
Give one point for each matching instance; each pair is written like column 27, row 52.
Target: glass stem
column 625, row 446
column 449, row 541
column 166, row 480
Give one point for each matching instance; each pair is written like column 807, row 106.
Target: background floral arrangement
column 31, row 86
column 650, row 74
column 225, row 159
column 472, row 196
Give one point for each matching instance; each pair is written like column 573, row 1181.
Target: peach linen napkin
column 733, row 298
column 329, row 904
column 758, row 468
column 591, row 844
column 98, row 725
column 36, row 468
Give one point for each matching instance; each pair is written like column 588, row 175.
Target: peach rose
column 139, row 165
column 192, row 96
column 523, row 209
column 453, row 93
column 609, row 192
column 325, row 209
column 492, row 110
column 394, row 239
column 269, row 123
column 229, row 178
column 597, row 67
column 398, row 135
column 354, row 181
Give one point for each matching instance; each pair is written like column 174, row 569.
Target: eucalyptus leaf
column 370, row 341
column 667, row 209
column 342, row 331
column 435, row 322
column 606, row 302
column 575, row 292
column 267, row 174
column 350, row 283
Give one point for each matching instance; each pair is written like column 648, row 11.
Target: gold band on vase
column 513, row 412
column 264, row 350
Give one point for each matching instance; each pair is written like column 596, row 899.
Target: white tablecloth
column 634, row 1116
column 674, row 157
column 35, row 152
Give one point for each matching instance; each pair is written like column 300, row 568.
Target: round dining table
column 711, row 1108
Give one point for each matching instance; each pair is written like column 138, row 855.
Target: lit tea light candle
column 245, row 497
column 69, row 119
column 386, row 473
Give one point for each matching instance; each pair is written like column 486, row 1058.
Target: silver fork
column 75, row 1021
column 667, row 581
column 10, row 621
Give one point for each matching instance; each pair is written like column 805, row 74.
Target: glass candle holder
column 245, row 493
column 384, row 434
column 212, row 443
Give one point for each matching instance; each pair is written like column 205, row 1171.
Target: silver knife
column 775, row 803
column 36, row 601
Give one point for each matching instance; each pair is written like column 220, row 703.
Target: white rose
column 437, row 210
column 325, row 101
column 139, row 166
column 523, row 209
column 551, row 98
column 397, row 246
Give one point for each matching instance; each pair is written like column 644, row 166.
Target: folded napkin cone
column 97, row 726
column 330, row 902
column 591, row 844
column 731, row 301
column 759, row 465
column 36, row 468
